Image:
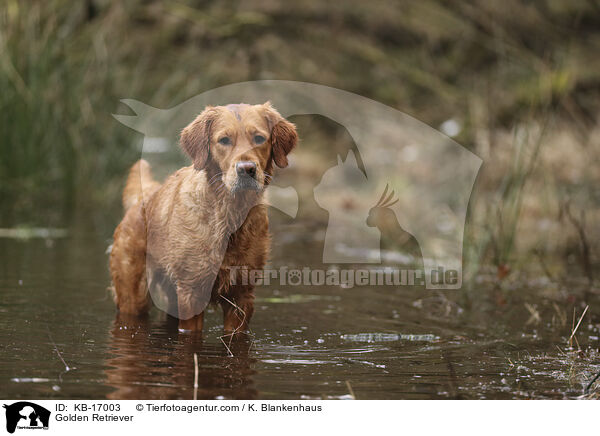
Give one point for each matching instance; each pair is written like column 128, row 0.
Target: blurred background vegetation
column 518, row 80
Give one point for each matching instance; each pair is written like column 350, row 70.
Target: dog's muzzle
column 246, row 177
column 246, row 169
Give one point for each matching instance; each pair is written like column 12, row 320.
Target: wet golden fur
column 203, row 219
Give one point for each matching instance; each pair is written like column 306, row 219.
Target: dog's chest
column 248, row 246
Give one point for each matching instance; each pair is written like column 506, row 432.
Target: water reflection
column 310, row 342
column 152, row 360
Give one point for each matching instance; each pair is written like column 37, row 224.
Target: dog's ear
column 283, row 135
column 195, row 138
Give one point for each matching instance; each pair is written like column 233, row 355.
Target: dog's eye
column 225, row 141
column 259, row 139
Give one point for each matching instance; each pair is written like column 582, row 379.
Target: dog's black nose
column 246, row 168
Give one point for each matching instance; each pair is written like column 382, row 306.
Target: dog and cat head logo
column 26, row 415
column 399, row 168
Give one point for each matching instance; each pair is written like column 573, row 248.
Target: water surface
column 60, row 338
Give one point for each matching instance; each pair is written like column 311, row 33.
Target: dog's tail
column 140, row 184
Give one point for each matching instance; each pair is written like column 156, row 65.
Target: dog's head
column 237, row 145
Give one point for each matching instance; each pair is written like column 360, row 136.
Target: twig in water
column 577, row 326
column 562, row 352
column 350, row 390
column 237, row 329
column 587, row 389
column 67, row 369
column 195, row 376
column 228, row 349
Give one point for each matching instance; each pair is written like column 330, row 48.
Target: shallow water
column 60, row 338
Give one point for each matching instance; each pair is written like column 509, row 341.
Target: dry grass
column 241, row 314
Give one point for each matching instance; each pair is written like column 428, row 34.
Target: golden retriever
column 203, row 219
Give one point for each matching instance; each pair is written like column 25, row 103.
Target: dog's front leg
column 238, row 307
column 188, row 308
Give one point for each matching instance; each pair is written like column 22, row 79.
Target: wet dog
column 204, row 219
